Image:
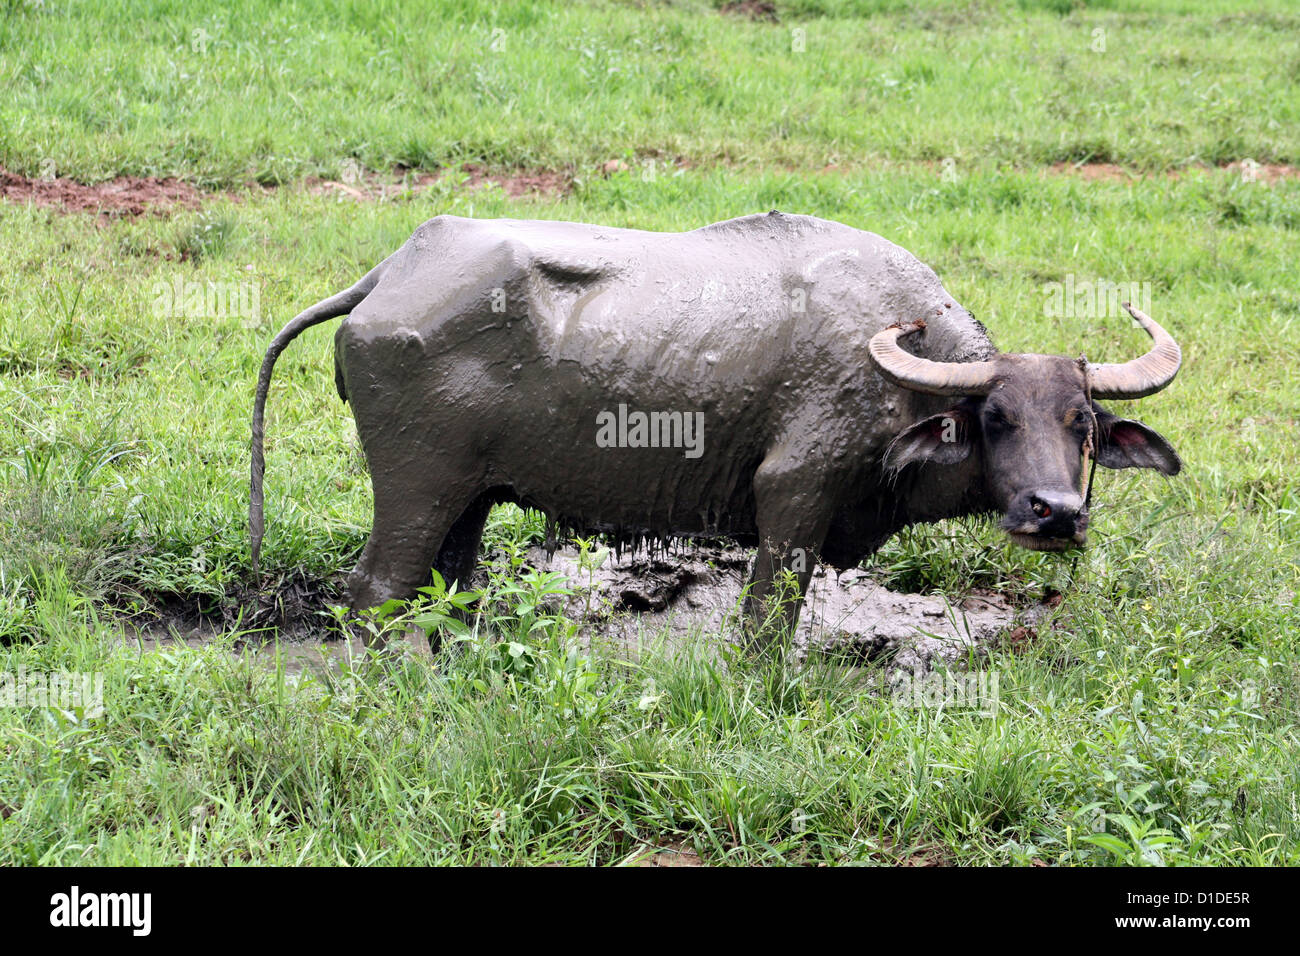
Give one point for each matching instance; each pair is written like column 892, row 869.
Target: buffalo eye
column 997, row 421
column 1080, row 422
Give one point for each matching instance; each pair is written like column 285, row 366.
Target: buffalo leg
column 412, row 520
column 458, row 556
column 793, row 520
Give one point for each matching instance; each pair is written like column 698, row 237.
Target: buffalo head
column 1035, row 423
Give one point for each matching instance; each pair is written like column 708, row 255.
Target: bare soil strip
column 128, row 196
column 132, row 196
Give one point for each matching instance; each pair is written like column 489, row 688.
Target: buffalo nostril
column 1055, row 513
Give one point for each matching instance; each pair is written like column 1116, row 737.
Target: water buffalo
column 744, row 379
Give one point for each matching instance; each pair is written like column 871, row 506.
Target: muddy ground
column 696, row 595
column 688, row 595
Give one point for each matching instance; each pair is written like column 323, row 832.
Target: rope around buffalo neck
column 1089, row 444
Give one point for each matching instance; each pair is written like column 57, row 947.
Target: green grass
column 1160, row 702
column 270, row 92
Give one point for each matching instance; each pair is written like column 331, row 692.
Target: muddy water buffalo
column 795, row 384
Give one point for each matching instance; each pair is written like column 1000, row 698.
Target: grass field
column 1153, row 721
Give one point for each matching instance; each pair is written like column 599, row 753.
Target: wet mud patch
column 125, row 196
column 288, row 618
column 631, row 598
column 315, row 655
column 625, row 602
column 294, row 607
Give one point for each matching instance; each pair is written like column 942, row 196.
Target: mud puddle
column 627, row 602
column 696, row 595
column 295, row 656
column 289, row 613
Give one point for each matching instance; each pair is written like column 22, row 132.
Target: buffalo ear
column 1125, row 443
column 943, row 439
